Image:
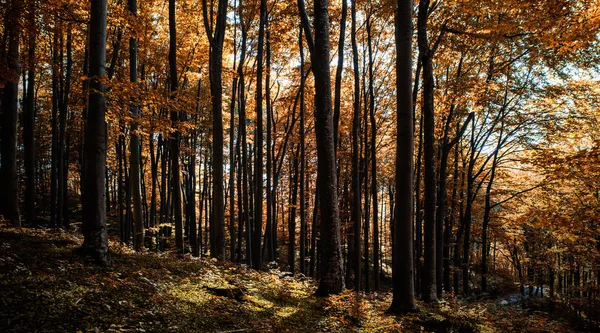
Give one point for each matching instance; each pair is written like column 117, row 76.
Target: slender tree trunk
column 374, row 189
column 487, row 212
column 292, row 217
column 64, row 141
column 138, row 226
column 232, row 161
column 401, row 226
column 467, row 215
column 338, row 74
column 258, row 144
column 29, row 123
column 95, row 242
column 428, row 289
column 271, row 226
column 244, row 145
column 174, row 140
column 54, row 120
column 303, row 226
column 354, row 244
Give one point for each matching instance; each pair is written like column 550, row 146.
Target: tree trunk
column 374, row 189
column 354, row 243
column 331, row 270
column 402, row 264
column 338, row 74
column 134, row 173
column 428, row 288
column 487, row 212
column 95, row 242
column 303, row 226
column 174, row 140
column 292, row 217
column 216, row 39
column 258, row 144
column 29, row 123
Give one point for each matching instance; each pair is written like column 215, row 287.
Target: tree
column 258, row 140
column 354, row 243
column 138, row 226
column 29, row 122
column 331, row 263
column 95, row 244
column 216, row 38
column 174, row 140
column 402, row 270
column 10, row 104
column 428, row 287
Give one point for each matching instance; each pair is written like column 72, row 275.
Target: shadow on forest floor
column 45, row 287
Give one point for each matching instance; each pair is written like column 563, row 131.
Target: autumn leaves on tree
column 426, row 150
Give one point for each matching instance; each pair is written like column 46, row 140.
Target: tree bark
column 354, row 243
column 138, row 227
column 338, row 74
column 29, row 123
column 95, row 242
column 303, row 226
column 174, row 140
column 216, row 39
column 428, row 288
column 402, row 264
column 332, row 281
column 258, row 144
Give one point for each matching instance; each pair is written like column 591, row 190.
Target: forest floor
column 45, row 287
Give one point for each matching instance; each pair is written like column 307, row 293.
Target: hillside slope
column 45, row 287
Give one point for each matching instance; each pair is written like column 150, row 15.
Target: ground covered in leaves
column 45, row 287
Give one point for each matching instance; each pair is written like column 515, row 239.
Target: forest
column 292, row 166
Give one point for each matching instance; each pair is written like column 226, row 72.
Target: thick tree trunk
column 10, row 107
column 402, row 224
column 332, row 281
column 95, row 242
